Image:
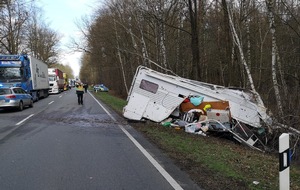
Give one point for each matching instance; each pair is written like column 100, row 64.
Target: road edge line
column 161, row 170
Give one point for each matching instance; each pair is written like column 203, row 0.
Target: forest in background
column 252, row 44
column 23, row 30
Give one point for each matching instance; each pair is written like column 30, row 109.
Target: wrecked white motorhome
column 199, row 106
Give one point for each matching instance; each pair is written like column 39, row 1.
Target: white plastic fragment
column 255, row 182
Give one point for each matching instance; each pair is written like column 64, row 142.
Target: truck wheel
column 38, row 96
column 31, row 104
column 20, row 108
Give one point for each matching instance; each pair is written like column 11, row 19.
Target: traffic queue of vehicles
column 25, row 79
column 56, row 81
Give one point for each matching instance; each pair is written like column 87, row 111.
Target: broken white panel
column 219, row 115
column 245, row 112
column 156, row 112
column 252, row 140
column 162, row 106
column 136, row 107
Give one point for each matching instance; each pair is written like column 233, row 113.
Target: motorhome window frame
column 149, row 86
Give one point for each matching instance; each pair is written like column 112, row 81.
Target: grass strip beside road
column 212, row 162
column 115, row 103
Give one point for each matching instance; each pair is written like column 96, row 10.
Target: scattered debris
column 255, row 182
column 197, row 107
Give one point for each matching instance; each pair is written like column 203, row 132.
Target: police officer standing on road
column 80, row 92
column 85, row 86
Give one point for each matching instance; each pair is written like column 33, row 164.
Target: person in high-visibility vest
column 80, row 92
column 85, row 86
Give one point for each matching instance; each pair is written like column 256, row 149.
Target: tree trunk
column 161, row 35
column 238, row 43
column 120, row 58
column 281, row 72
column 261, row 48
column 178, row 45
column 135, row 46
column 194, row 39
column 229, row 51
column 143, row 43
column 270, row 8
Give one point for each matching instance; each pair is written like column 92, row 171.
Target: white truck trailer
column 25, row 71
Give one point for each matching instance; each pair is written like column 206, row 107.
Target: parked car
column 100, row 87
column 15, row 97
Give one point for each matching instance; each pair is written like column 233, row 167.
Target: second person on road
column 80, row 92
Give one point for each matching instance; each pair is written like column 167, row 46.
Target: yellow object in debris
column 207, row 106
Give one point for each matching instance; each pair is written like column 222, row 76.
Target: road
column 59, row 144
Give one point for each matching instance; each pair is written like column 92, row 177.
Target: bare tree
column 234, row 45
column 120, row 58
column 243, row 60
column 13, row 17
column 270, row 6
column 193, row 13
column 23, row 31
column 41, row 40
column 86, row 73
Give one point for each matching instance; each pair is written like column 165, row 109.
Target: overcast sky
column 62, row 14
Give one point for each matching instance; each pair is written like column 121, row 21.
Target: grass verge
column 212, row 162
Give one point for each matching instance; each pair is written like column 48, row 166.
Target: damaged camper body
column 155, row 96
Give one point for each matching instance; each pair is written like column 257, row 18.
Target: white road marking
column 161, row 170
column 25, row 119
column 19, row 123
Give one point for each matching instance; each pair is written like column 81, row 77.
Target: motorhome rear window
column 149, row 86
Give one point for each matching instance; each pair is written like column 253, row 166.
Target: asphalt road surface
column 60, row 145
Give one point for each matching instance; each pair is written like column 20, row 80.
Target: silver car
column 15, row 97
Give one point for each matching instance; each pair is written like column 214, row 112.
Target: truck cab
column 26, row 72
